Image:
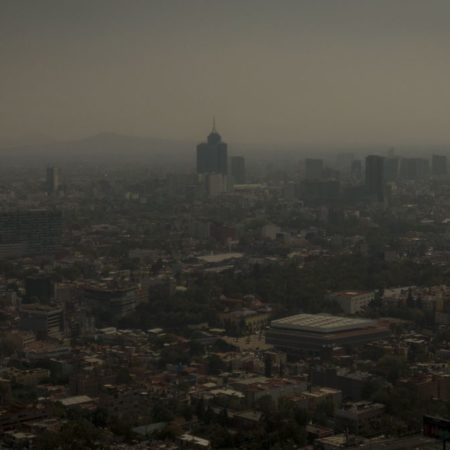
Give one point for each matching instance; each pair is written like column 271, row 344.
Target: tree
column 215, row 365
column 123, row 376
column 220, row 436
column 73, row 435
column 265, row 404
column 9, row 344
column 100, row 417
column 200, row 409
column 324, row 410
column 392, row 368
column 161, row 412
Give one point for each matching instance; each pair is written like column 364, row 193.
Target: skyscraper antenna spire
column 214, row 125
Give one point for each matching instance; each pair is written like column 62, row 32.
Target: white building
column 352, row 302
column 216, row 184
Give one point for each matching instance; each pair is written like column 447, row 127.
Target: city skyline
column 275, row 72
column 275, row 279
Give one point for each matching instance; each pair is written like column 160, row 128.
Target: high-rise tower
column 439, row 165
column 375, row 176
column 52, row 180
column 237, row 166
column 212, row 155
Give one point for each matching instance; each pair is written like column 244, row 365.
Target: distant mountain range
column 114, row 149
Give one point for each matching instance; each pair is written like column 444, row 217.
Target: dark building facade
column 108, row 304
column 414, row 168
column 356, row 170
column 375, row 177
column 439, row 165
column 30, row 232
column 43, row 320
column 39, row 288
column 52, row 180
column 212, row 155
column 238, row 174
column 320, row 191
column 391, row 166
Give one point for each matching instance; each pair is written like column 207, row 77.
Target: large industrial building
column 316, row 332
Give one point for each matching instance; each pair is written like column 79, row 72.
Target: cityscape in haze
column 224, row 224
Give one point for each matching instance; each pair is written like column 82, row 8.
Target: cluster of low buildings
column 130, row 301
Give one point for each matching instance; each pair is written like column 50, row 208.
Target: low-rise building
column 355, row 415
column 352, row 302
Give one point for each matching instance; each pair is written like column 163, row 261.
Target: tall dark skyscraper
column 356, row 170
column 52, row 180
column 439, row 165
column 344, row 163
column 237, row 169
column 375, row 176
column 212, row 156
column 414, row 168
column 391, row 166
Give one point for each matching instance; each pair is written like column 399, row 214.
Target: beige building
column 352, row 302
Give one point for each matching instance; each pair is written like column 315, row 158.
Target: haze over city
column 224, row 224
column 288, row 72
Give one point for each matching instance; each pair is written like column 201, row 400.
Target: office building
column 391, row 166
column 316, row 332
column 108, row 304
column 39, row 289
column 45, row 321
column 422, row 168
column 375, row 177
column 215, row 184
column 52, row 180
column 414, row 168
column 29, row 232
column 313, row 169
column 212, row 156
column 237, row 164
column 344, row 163
column 408, row 169
column 356, row 170
column 439, row 165
column 352, row 302
column 320, row 191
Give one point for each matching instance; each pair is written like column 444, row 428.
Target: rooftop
column 349, row 293
column 37, row 308
column 76, row 400
column 321, row 323
column 194, row 440
column 221, row 257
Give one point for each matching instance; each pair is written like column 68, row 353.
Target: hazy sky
column 307, row 71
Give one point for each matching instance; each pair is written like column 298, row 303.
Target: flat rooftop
column 220, row 257
column 321, row 323
column 37, row 307
column 76, row 400
column 350, row 293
